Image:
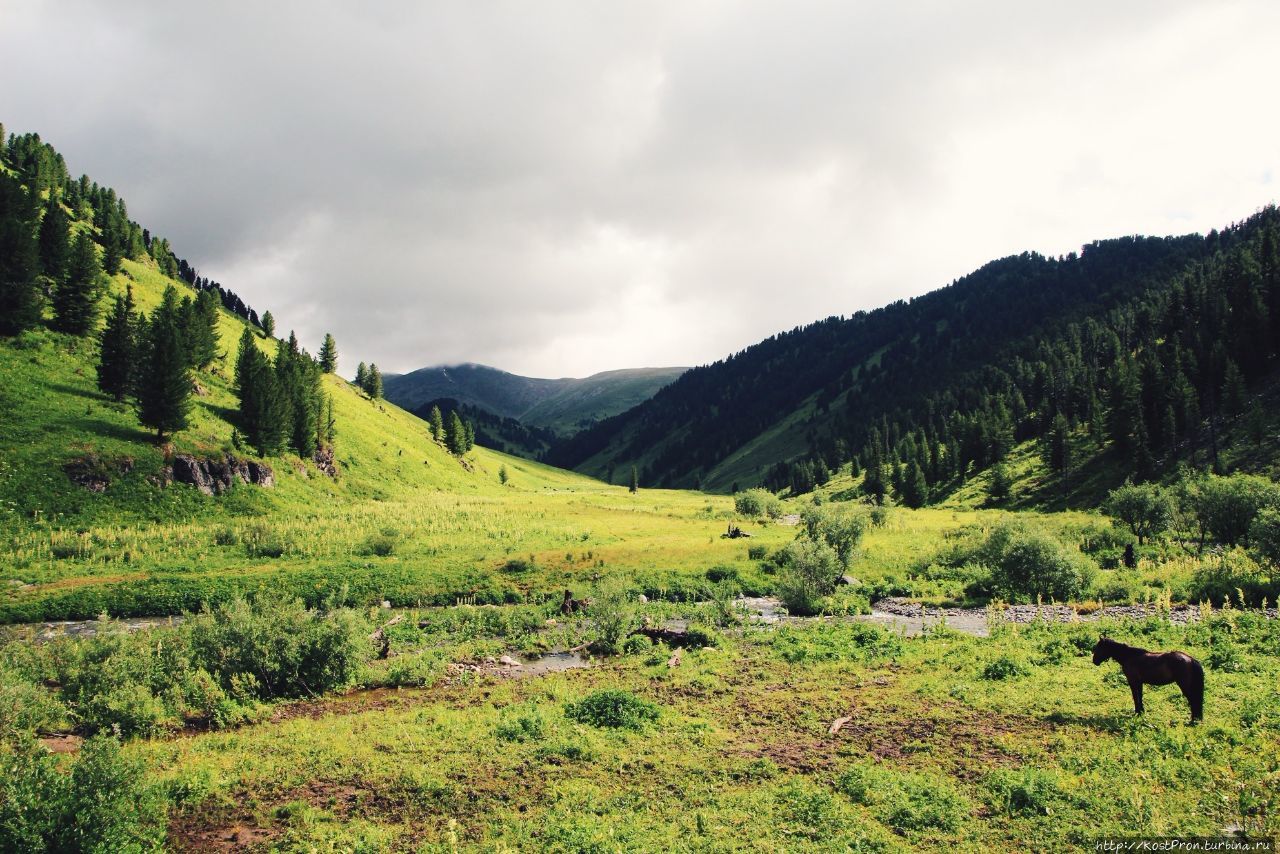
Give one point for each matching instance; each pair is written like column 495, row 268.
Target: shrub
column 103, row 804
column 1025, row 792
column 697, row 637
column 755, row 503
column 1218, row 578
column 382, row 543
column 756, row 552
column 225, row 536
column 613, row 709
column 717, row 574
column 1005, row 667
column 1027, row 564
column 521, row 724
column 841, row 528
column 836, row 642
column 1225, row 507
column 637, row 645
column 809, row 572
column 286, row 649
column 26, row 706
column 611, row 617
column 905, row 801
column 262, row 540
column 810, row 810
column 420, row 670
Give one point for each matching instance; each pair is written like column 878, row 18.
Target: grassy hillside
column 582, row 402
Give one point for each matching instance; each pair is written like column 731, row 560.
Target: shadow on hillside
column 88, row 394
column 1104, row 723
column 226, row 413
column 116, row 431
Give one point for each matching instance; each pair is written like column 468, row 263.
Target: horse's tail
column 1194, row 689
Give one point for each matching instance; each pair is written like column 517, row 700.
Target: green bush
column 906, row 801
column 1026, row 564
column 288, row 650
column 612, row 708
column 1025, row 792
column 757, row 503
column 26, row 706
column 102, row 805
column 637, row 645
column 611, row 617
column 382, row 543
column 809, row 810
column 717, row 574
column 809, row 572
column 1005, row 667
column 521, row 724
column 262, row 540
column 836, row 642
column 417, row 670
column 756, row 552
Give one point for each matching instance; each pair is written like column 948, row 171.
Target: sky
column 560, row 188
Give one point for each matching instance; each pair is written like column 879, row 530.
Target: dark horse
column 1155, row 668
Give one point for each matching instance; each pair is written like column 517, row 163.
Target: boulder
column 216, row 475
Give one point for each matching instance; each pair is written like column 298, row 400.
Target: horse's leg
column 1136, row 687
column 1192, row 686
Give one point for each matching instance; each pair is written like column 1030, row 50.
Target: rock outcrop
column 215, row 475
column 323, row 458
column 94, row 473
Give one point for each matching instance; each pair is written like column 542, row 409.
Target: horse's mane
column 1112, row 644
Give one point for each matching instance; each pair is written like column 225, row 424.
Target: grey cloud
column 560, row 188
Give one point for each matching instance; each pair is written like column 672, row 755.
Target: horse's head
column 1102, row 650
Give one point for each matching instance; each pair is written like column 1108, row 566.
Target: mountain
column 1132, row 354
column 562, row 405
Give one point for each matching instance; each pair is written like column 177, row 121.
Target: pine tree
column 55, row 241
column 20, row 294
column 200, row 328
column 437, row 424
column 455, row 436
column 362, row 376
column 373, row 384
column 112, row 244
column 469, row 435
column 1001, row 485
column 75, row 299
column 262, row 410
column 119, row 349
column 164, row 385
column 328, row 355
column 915, row 491
column 635, row 480
column 268, row 324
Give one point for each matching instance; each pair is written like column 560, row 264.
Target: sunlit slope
column 52, row 415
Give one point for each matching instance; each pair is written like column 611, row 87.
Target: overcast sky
column 561, row 188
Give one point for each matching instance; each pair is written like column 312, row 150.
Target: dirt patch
column 63, row 742
column 196, row 833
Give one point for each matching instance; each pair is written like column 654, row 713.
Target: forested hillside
column 122, row 369
column 1130, row 355
column 563, row 406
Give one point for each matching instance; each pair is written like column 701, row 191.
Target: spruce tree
column 455, row 435
column 437, row 424
column 468, row 435
column 1000, row 486
column 374, row 382
column 362, row 376
column 55, row 241
column 200, row 327
column 20, row 295
column 262, row 410
column 268, row 324
column 635, row 480
column 119, row 349
column 75, row 299
column 328, row 355
column 915, row 491
column 164, row 384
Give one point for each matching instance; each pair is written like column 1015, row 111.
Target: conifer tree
column 20, row 295
column 200, row 328
column 437, row 424
column 55, row 241
column 268, row 324
column 635, row 481
column 262, row 410
column 1000, row 485
column 119, row 349
column 75, row 299
column 455, row 435
column 373, row 382
column 164, row 385
column 362, row 376
column 915, row 491
column 328, row 354
column 468, row 435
